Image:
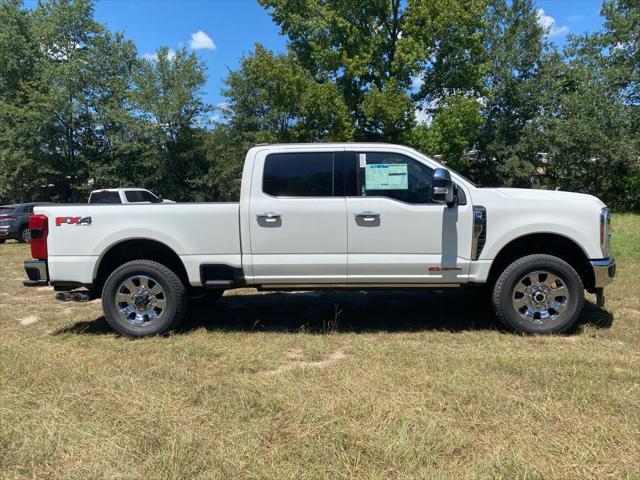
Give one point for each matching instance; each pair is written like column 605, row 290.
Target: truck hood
column 539, row 195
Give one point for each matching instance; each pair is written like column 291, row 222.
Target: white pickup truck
column 340, row 215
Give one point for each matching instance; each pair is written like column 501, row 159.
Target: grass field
column 320, row 385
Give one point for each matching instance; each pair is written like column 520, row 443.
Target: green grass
column 330, row 385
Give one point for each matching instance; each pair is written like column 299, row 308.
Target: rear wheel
column 538, row 294
column 142, row 298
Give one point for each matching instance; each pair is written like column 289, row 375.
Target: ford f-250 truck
column 341, row 215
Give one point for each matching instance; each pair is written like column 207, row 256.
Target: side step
column 218, row 283
column 217, row 276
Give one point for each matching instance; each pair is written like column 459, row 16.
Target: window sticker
column 363, row 160
column 386, row 176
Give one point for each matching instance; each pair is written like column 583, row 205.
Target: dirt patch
column 29, row 320
column 296, row 354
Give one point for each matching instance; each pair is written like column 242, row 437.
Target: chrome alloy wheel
column 540, row 297
column 26, row 235
column 140, row 300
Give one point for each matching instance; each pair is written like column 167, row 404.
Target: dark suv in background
column 14, row 221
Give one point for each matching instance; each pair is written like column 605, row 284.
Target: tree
column 66, row 94
column 271, row 98
column 169, row 107
column 21, row 170
column 373, row 50
column 517, row 53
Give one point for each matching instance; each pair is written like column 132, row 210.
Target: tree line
column 476, row 83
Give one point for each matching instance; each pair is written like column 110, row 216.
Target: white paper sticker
column 385, row 176
column 363, row 160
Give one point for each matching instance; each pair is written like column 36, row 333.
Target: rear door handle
column 269, row 217
column 368, row 216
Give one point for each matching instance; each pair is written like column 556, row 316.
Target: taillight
column 39, row 226
column 4, row 218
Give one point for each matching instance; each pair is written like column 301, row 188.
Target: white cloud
column 201, row 41
column 549, row 24
column 152, row 57
column 422, row 117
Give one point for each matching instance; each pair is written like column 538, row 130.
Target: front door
column 396, row 234
column 298, row 231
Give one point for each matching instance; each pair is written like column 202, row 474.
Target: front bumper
column 37, row 273
column 604, row 271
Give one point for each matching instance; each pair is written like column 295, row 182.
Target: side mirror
column 442, row 189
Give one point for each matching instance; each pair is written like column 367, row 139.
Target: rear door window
column 299, row 174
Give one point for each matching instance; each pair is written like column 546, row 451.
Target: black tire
column 173, row 292
column 566, row 294
column 25, row 235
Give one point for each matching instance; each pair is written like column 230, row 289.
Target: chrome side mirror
column 442, row 187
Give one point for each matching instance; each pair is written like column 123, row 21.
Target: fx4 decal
column 73, row 221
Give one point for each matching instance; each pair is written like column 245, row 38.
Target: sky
column 222, row 31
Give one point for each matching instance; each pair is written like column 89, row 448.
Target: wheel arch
column 554, row 244
column 137, row 249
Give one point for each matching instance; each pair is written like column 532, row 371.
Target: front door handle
column 269, row 217
column 368, row 216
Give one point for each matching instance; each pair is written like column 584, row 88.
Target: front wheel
column 143, row 298
column 538, row 294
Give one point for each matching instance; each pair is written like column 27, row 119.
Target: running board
column 219, row 284
column 316, row 286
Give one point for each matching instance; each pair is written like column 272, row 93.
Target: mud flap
column 600, row 297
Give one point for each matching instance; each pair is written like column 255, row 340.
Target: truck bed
column 197, row 232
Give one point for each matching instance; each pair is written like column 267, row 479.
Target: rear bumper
column 36, row 272
column 604, row 271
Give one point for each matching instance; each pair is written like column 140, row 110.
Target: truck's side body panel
column 198, row 233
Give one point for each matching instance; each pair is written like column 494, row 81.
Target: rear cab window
column 140, row 196
column 105, row 197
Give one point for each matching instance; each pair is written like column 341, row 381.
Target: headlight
column 605, row 235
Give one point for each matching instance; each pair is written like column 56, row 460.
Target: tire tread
column 497, row 294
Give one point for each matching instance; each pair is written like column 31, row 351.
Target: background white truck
column 125, row 195
column 316, row 216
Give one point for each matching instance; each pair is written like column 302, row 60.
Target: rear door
column 297, row 217
column 396, row 233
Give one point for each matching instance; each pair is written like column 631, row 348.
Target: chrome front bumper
column 604, row 271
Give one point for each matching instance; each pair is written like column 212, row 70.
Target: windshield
column 5, row 210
